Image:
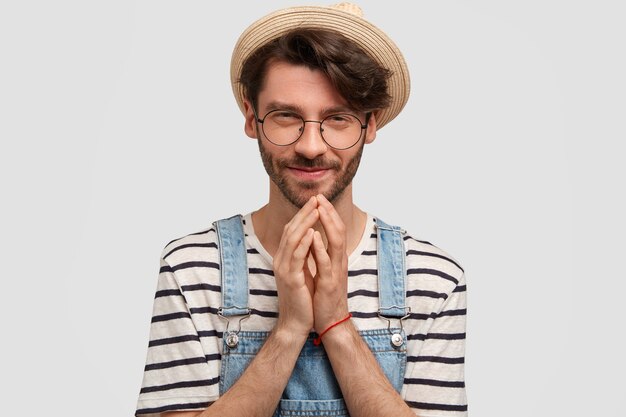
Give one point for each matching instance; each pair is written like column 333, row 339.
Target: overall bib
column 312, row 389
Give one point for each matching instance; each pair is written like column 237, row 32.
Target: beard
column 300, row 192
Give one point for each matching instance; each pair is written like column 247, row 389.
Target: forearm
column 259, row 389
column 365, row 388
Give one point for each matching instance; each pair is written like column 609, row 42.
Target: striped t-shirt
column 184, row 352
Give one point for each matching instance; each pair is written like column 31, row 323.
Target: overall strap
column 391, row 270
column 233, row 266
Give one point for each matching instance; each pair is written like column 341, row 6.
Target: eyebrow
column 277, row 105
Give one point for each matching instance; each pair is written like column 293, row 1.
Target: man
column 309, row 305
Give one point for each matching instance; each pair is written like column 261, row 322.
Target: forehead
column 298, row 86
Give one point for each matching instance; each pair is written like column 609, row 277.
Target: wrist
column 290, row 334
column 340, row 328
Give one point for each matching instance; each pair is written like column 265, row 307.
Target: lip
column 307, row 173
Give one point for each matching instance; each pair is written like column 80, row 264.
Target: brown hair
column 357, row 77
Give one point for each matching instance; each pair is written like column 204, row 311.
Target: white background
column 119, row 133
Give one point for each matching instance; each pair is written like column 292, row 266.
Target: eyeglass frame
column 304, row 122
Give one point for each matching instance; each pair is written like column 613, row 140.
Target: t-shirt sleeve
column 437, row 377
column 177, row 375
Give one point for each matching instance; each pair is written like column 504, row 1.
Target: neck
column 269, row 220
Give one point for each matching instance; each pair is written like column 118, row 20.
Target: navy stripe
column 171, row 316
column 262, row 313
column 204, row 232
column 198, row 287
column 460, row 288
column 434, row 382
column 436, row 255
column 203, row 310
column 446, row 336
column 165, row 268
column 364, row 293
column 407, row 237
column 173, row 364
column 433, row 406
column 185, row 265
column 269, row 293
column 261, row 271
column 429, row 271
column 182, row 384
column 172, row 407
column 191, row 245
column 195, row 264
column 441, row 336
column 171, row 340
column 459, row 312
column 437, row 359
column 167, row 293
column 362, row 272
column 210, row 333
column 423, row 293
column 422, row 316
column 362, row 315
column 369, row 253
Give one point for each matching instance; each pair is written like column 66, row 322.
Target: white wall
column 116, row 117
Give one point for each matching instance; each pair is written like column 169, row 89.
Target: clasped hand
column 309, row 299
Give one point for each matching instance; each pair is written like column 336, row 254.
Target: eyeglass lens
column 340, row 131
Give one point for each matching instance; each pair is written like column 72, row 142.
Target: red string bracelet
column 318, row 340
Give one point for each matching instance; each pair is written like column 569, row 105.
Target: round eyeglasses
column 339, row 131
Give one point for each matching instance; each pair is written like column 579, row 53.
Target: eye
column 285, row 116
column 338, row 121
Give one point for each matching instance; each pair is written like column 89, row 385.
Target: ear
column 250, row 126
column 371, row 129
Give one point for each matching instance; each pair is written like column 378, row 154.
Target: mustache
column 300, row 161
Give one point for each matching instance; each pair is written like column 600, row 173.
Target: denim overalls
column 312, row 389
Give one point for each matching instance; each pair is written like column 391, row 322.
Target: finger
column 306, row 209
column 295, row 230
column 301, row 252
column 334, row 228
column 333, row 215
column 293, row 234
column 322, row 260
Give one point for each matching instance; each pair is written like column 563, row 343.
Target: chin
column 299, row 195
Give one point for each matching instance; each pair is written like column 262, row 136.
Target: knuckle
column 293, row 240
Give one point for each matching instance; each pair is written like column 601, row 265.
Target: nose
column 311, row 145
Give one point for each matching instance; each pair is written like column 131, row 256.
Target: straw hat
column 345, row 18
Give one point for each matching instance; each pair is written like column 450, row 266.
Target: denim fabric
column 233, row 264
column 391, row 269
column 312, row 389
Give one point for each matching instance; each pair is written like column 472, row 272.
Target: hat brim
column 371, row 39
